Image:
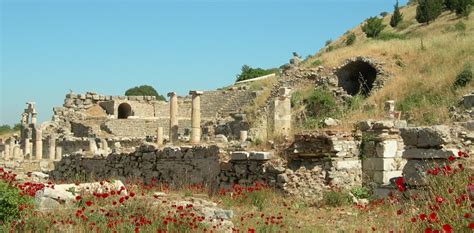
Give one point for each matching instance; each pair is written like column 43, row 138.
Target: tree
column 248, row 72
column 451, row 4
column 428, row 10
column 144, row 90
column 373, row 27
column 397, row 17
column 351, row 38
column 463, row 7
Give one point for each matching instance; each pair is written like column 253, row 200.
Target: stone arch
column 357, row 77
column 124, row 110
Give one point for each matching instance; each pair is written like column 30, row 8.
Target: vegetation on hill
column 144, row 90
column 6, row 129
column 424, row 61
column 248, row 72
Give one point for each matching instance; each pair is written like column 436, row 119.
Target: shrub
column 335, row 198
column 351, row 38
column 248, row 72
column 428, row 10
column 144, row 90
column 460, row 26
column 463, row 7
column 390, row 36
column 464, row 77
column 5, row 129
column 317, row 63
column 360, row 192
column 383, row 13
column 330, row 48
column 321, row 103
column 397, row 17
column 373, row 27
column 328, row 42
column 11, row 201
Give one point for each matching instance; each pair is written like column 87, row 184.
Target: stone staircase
column 223, row 103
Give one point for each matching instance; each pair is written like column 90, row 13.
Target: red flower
column 88, row 203
column 399, row 212
column 451, row 158
column 471, row 226
column 467, row 215
column 132, row 194
column 447, row 228
column 78, row 198
column 433, row 216
column 413, row 219
column 423, row 217
column 439, row 200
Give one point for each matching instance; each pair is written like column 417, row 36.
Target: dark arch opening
column 124, row 111
column 357, row 78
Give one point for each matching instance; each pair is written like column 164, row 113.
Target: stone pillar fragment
column 16, row 152
column 7, row 152
column 389, row 109
column 33, row 118
column 104, row 145
column 159, row 136
column 196, row 117
column 59, row 153
column 282, row 113
column 92, row 146
column 243, row 135
column 173, row 117
column 38, row 144
column 52, row 147
column 27, row 147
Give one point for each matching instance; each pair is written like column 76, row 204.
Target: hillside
column 423, row 62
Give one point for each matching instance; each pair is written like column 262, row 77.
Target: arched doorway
column 124, row 111
column 357, row 77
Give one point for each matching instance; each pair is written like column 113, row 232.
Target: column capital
column 171, row 94
column 196, row 93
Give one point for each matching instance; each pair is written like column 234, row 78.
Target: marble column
column 173, row 117
column 159, row 136
column 7, row 152
column 27, row 147
column 52, row 147
column 196, row 117
column 33, row 118
column 243, row 135
column 389, row 109
column 59, row 153
column 38, row 144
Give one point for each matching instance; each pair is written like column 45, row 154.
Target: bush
column 144, row 90
column 5, row 129
column 428, row 10
column 373, row 27
column 335, row 198
column 10, row 202
column 360, row 192
column 351, row 38
column 463, row 78
column 321, row 103
column 460, row 26
column 390, row 36
column 397, row 17
column 328, row 42
column 248, row 72
column 317, row 63
column 463, row 7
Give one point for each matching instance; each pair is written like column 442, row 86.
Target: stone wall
column 173, row 166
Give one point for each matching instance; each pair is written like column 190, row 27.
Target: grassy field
column 423, row 61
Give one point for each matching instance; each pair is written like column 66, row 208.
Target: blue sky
column 49, row 47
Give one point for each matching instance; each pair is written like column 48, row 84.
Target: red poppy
column 88, row 203
column 423, row 217
column 451, row 158
column 471, row 226
column 439, row 200
column 433, row 216
column 78, row 198
column 447, row 228
column 467, row 215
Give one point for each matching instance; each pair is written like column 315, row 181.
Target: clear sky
column 49, row 47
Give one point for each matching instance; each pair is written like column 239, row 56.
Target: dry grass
column 432, row 56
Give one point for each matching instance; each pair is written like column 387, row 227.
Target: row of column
column 33, row 150
column 174, row 121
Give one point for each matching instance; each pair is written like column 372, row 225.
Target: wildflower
column 88, row 203
column 471, row 226
column 447, row 228
column 78, row 198
column 423, row 217
column 439, row 200
column 433, row 217
column 413, row 219
column 467, row 215
column 400, row 182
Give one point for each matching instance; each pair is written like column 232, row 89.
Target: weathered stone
column 239, row 155
column 383, row 125
column 330, row 122
column 426, row 137
column 387, row 149
column 383, row 177
column 417, row 153
column 383, row 164
column 260, row 155
column 468, row 100
column 347, row 164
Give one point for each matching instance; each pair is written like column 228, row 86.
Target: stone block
column 347, row 164
column 260, row 155
column 383, row 164
column 468, row 100
column 387, row 149
column 415, row 170
column 417, row 153
column 239, row 155
column 426, row 137
column 383, row 177
column 383, row 124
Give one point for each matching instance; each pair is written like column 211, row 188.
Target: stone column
column 27, row 145
column 173, row 117
column 92, row 146
column 7, row 152
column 104, row 145
column 59, row 153
column 33, row 118
column 16, row 152
column 159, row 136
column 38, row 144
column 243, row 135
column 196, row 117
column 52, row 147
column 389, row 109
column 282, row 113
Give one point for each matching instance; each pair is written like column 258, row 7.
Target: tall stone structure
column 196, row 117
column 174, row 122
column 282, row 113
column 52, row 147
column 38, row 144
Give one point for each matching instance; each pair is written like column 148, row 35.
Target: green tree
column 397, row 16
column 248, row 72
column 463, row 7
column 373, row 27
column 451, row 4
column 428, row 10
column 351, row 38
column 144, row 90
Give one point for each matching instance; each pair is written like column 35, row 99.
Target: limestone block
column 415, row 170
column 364, row 125
column 417, row 153
column 260, row 155
column 426, row 137
column 383, row 177
column 347, row 164
column 387, row 149
column 468, row 101
column 383, row 124
column 239, row 155
column 383, row 164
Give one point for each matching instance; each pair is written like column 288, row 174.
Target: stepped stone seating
column 141, row 127
column 223, row 103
